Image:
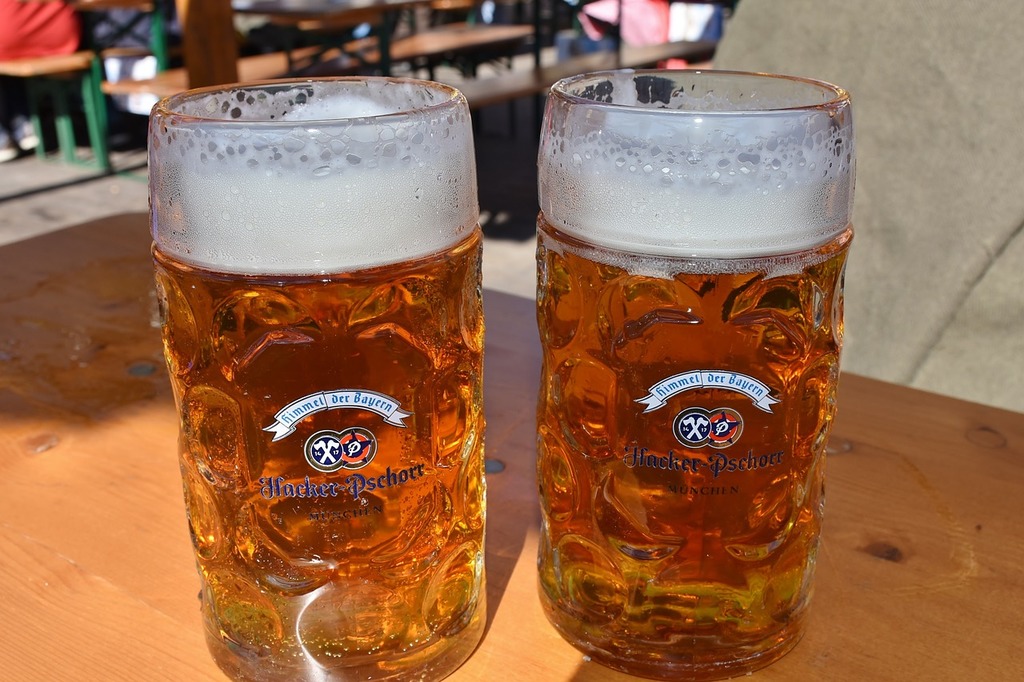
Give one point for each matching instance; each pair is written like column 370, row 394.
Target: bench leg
column 62, row 121
column 95, row 106
column 59, row 90
column 56, row 91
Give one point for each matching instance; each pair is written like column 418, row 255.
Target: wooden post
column 208, row 41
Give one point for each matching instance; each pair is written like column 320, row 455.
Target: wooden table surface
column 919, row 577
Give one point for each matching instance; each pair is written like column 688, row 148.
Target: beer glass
column 693, row 233
column 317, row 260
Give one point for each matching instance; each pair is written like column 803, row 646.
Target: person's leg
column 15, row 119
column 8, row 99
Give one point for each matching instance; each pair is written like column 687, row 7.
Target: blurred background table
column 918, row 575
column 333, row 20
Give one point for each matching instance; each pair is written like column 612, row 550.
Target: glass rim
column 170, row 106
column 840, row 96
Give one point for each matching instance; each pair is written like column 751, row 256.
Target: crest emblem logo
column 726, row 427
column 692, row 426
column 696, row 427
column 352, row 448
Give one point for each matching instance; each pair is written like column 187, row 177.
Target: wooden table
column 919, row 578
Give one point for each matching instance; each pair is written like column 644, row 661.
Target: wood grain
column 918, row 577
column 209, row 42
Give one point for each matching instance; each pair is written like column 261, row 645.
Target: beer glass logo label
column 330, row 451
column 346, row 398
column 757, row 391
column 352, row 448
column 696, row 427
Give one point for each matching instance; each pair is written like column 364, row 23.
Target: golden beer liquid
column 659, row 559
column 299, row 583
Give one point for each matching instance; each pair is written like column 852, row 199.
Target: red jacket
column 37, row 29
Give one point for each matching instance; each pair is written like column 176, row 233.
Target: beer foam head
column 698, row 164
column 311, row 177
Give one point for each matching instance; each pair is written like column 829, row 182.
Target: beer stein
column 317, row 261
column 693, row 234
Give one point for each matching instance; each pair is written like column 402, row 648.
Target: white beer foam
column 312, row 178
column 685, row 172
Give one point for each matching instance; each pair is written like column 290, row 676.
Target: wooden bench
column 474, row 43
column 56, row 65
column 306, row 61
column 468, row 45
column 57, row 78
column 482, row 92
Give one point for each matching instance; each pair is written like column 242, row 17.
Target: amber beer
column 692, row 244
column 318, row 271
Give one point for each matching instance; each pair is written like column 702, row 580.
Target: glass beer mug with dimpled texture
column 692, row 239
column 318, row 268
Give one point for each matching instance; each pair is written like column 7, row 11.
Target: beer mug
column 693, row 234
column 317, row 260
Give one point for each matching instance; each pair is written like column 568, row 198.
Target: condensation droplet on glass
column 620, row 162
column 694, row 157
column 577, row 160
column 322, row 171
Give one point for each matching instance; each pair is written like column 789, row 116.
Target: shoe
column 25, row 135
column 28, row 142
column 9, row 152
